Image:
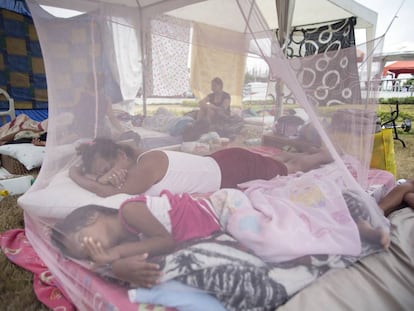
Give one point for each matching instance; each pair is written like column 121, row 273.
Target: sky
column 401, row 31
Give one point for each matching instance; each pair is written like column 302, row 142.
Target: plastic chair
column 10, row 112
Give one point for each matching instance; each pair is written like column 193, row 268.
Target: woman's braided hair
column 104, row 147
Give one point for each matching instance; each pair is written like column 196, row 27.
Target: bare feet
column 373, row 235
column 359, row 212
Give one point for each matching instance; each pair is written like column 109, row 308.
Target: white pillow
column 29, row 155
column 62, row 196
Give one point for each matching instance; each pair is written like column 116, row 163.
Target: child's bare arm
column 141, row 177
column 155, row 245
column 137, row 218
column 137, row 270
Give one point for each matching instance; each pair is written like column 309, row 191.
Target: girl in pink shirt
column 143, row 224
column 155, row 225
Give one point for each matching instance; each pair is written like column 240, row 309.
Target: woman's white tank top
column 188, row 173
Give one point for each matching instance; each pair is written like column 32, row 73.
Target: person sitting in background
column 216, row 105
column 214, row 115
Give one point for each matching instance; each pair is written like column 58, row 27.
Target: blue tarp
column 18, row 6
column 34, row 114
column 22, row 73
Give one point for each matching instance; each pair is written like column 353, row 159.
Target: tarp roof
column 18, row 6
column 399, row 67
column 305, row 12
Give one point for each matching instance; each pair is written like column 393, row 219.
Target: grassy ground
column 16, row 291
column 404, row 157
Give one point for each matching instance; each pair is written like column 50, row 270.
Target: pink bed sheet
column 88, row 292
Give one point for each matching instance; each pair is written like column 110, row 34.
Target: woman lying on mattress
column 109, row 168
column 156, row 225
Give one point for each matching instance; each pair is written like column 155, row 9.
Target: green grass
column 404, row 157
column 16, row 284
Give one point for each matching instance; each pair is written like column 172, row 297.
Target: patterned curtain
column 211, row 57
column 168, row 73
column 331, row 37
column 328, row 62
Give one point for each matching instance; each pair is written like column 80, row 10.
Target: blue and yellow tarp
column 22, row 72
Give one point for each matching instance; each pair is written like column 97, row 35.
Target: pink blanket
column 295, row 216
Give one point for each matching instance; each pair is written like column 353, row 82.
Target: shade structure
column 399, row 67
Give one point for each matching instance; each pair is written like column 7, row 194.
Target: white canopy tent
column 304, row 12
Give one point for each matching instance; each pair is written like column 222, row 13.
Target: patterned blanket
column 242, row 281
column 21, row 127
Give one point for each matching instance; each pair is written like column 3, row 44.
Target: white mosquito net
column 109, row 65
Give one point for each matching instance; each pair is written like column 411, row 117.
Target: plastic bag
column 383, row 155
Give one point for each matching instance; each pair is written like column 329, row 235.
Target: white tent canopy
column 304, row 13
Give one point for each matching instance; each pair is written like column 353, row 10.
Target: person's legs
column 360, row 214
column 373, row 235
column 303, row 162
column 239, row 165
column 394, row 199
column 409, row 199
column 285, row 156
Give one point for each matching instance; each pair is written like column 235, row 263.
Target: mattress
column 90, row 290
column 151, row 139
column 383, row 281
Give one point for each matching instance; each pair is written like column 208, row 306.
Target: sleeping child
column 156, row 225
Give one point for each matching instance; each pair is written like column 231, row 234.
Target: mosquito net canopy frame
column 107, row 53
